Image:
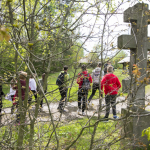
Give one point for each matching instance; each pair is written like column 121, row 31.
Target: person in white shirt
column 32, row 85
column 12, row 93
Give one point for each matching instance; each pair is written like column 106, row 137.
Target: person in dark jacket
column 63, row 89
column 82, row 93
column 106, row 65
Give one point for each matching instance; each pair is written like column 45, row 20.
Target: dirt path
column 69, row 115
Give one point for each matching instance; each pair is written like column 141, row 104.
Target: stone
column 132, row 130
column 136, row 118
column 128, row 41
column 126, row 85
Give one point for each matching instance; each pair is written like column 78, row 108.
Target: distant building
column 84, row 60
column 125, row 62
column 88, row 62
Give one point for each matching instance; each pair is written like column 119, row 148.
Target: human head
column 13, row 81
column 31, row 76
column 99, row 64
column 83, row 67
column 109, row 62
column 22, row 75
column 65, row 68
column 110, row 69
column 43, row 76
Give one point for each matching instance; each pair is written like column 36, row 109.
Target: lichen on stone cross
column 138, row 43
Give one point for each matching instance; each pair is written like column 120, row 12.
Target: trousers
column 63, row 93
column 82, row 95
column 110, row 99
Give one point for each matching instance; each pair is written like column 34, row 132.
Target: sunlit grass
column 67, row 133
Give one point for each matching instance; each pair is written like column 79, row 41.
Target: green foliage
column 66, row 134
column 146, row 132
column 45, row 41
column 117, row 58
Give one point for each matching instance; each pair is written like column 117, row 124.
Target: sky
column 116, row 27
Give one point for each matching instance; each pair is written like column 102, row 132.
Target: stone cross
column 138, row 43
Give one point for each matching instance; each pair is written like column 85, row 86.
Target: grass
column 54, row 94
column 67, row 133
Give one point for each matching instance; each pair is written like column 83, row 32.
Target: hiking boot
column 79, row 111
column 83, row 113
column 115, row 117
column 62, row 111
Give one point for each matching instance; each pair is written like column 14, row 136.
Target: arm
column 118, row 83
column 66, row 80
column 90, row 78
column 92, row 75
column 38, row 88
column 35, row 85
column 102, row 73
column 102, row 83
column 79, row 78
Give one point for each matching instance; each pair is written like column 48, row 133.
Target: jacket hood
column 84, row 72
column 97, row 69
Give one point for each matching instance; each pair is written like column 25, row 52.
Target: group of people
column 14, row 91
column 101, row 79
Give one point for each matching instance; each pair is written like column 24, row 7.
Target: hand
column 101, row 92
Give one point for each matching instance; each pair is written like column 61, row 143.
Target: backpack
column 60, row 79
column 86, row 83
column 96, row 78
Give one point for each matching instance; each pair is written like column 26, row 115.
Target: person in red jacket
column 83, row 92
column 111, row 85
